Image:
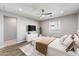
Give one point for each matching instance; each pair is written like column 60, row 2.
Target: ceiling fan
column 44, row 13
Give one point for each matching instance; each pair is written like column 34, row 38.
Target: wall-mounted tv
column 31, row 28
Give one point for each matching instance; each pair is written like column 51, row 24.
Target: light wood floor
column 13, row 50
column 10, row 42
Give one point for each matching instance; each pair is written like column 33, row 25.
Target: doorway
column 10, row 30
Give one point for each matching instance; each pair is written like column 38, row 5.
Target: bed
column 55, row 48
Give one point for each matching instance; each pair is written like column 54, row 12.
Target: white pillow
column 77, row 41
column 75, row 36
column 67, row 41
column 63, row 38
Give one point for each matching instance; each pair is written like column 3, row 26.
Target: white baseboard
column 20, row 41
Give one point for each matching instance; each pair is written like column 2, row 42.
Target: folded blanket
column 42, row 45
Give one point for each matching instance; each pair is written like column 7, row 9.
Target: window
column 54, row 26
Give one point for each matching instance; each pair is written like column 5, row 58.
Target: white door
column 10, row 28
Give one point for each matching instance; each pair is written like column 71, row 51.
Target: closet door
column 10, row 31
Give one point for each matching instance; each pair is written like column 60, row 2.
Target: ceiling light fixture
column 43, row 15
column 20, row 9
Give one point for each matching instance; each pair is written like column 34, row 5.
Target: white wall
column 1, row 31
column 68, row 25
column 21, row 26
column 78, row 22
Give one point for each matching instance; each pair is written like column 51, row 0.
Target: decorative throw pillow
column 63, row 38
column 72, row 37
column 67, row 41
column 75, row 35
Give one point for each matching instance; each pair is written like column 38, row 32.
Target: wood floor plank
column 13, row 50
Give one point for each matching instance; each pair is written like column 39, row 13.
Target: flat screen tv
column 31, row 28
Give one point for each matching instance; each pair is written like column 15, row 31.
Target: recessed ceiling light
column 43, row 15
column 20, row 9
column 61, row 12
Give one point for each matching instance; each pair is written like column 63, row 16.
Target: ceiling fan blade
column 47, row 13
column 44, row 14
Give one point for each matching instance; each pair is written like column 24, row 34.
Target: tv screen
column 31, row 28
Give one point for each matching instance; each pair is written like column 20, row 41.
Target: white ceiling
column 33, row 10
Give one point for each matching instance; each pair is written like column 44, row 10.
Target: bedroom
column 40, row 21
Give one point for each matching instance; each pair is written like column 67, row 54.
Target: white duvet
column 55, row 48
